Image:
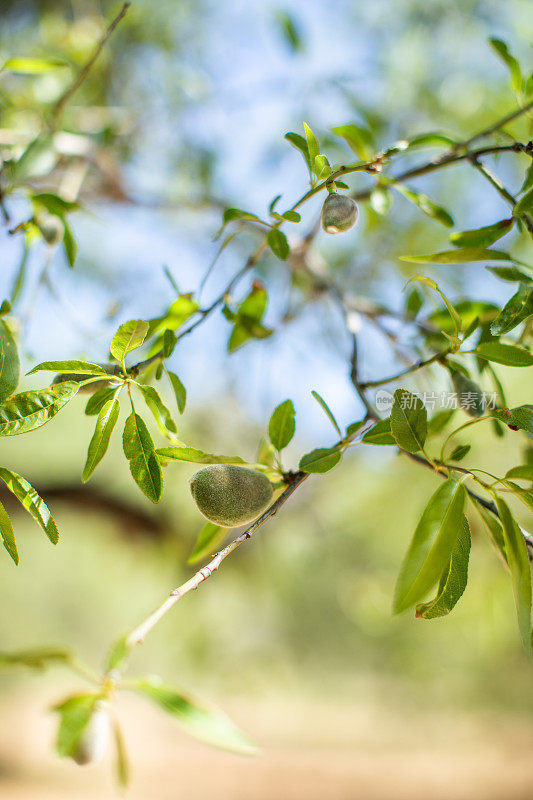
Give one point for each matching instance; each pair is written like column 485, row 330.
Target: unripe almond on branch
column 339, row 213
column 469, row 395
column 94, row 740
column 229, row 495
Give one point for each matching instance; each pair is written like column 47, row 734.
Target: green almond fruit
column 339, row 213
column 229, row 495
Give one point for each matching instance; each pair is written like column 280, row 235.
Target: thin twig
column 413, row 368
column 77, row 82
column 450, row 157
column 497, row 125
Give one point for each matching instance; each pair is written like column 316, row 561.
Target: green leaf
column 512, row 274
column 358, row 138
column 9, row 362
column 515, row 311
column 431, row 140
column 180, row 391
column 452, row 310
column 129, row 336
column 169, row 343
column 408, row 421
column 107, row 419
column 523, row 472
column 482, row 237
column 54, row 203
column 518, row 560
column 512, row 64
column 380, row 433
column 320, row 400
column 29, row 410
column 209, row 539
column 528, row 180
column 353, row 427
column 118, row 654
column 31, row 501
column 461, row 256
column 75, row 713
column 140, row 451
column 199, row 720
column 191, row 454
column 291, row 216
column 509, row 354
column 460, row 452
column 453, row 580
column 231, row 214
column 37, row 658
column 70, row 368
column 320, row 460
column 520, row 418
column 33, row 66
column 525, row 204
column 322, row 168
column 8, row 536
column 159, row 410
column 38, row 159
column 427, row 206
column 300, row 143
column 432, row 545
column 97, row 401
column 277, row 241
column 312, row 144
column 122, row 762
column 494, row 528
column 282, row 425
column 70, row 244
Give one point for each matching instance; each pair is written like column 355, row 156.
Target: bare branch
column 75, row 85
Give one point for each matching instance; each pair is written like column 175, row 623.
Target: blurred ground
column 310, row 749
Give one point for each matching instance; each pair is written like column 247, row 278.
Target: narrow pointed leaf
column 320, row 400
column 518, row 560
column 465, row 254
column 199, row 720
column 31, row 501
column 97, row 401
column 9, row 362
column 453, row 580
column 380, row 433
column 408, row 421
column 515, row 311
column 140, row 451
column 432, row 544
column 29, row 410
column 482, row 237
column 107, row 419
column 70, row 367
column 320, row 460
column 122, row 761
column 191, row 454
column 209, row 539
column 75, row 713
column 179, row 389
column 159, row 410
column 282, row 425
column 509, row 354
column 129, row 336
column 8, row 536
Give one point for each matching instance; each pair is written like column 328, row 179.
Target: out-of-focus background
column 294, row 636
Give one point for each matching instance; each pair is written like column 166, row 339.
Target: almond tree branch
column 75, row 85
